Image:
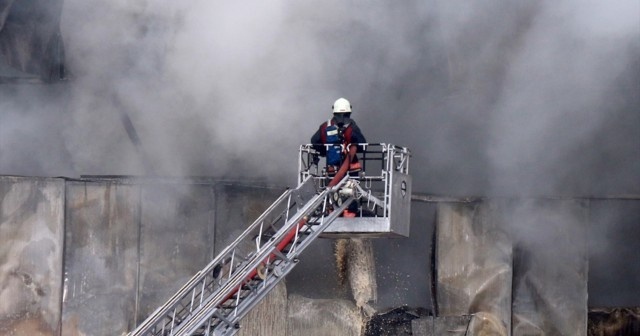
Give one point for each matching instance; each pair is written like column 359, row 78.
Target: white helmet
column 342, row 106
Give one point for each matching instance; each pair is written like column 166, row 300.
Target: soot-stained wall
column 95, row 256
column 128, row 244
column 176, row 239
column 31, row 245
column 132, row 242
column 102, row 236
column 474, row 263
column 519, row 266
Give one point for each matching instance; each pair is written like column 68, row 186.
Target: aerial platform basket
column 382, row 190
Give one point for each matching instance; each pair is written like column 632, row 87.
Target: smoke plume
column 494, row 98
column 522, row 98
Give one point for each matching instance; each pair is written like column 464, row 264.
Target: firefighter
column 335, row 138
column 339, row 132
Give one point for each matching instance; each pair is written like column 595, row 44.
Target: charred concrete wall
column 519, row 267
column 31, row 248
column 474, row 264
column 127, row 245
column 102, row 237
column 96, row 256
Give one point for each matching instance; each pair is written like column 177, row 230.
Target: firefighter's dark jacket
column 351, row 133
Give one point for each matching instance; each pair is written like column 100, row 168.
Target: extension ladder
column 218, row 296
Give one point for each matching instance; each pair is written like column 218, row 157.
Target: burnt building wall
column 95, row 256
column 102, row 236
column 127, row 245
column 474, row 264
column 31, row 248
column 518, row 266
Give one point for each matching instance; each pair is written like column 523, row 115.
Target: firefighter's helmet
column 341, row 106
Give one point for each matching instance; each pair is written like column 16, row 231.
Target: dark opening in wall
column 396, row 322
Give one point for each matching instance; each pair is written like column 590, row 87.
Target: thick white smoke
column 493, row 98
column 559, row 91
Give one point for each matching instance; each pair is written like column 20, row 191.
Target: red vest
column 347, row 130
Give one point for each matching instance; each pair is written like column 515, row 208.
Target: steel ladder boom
column 214, row 300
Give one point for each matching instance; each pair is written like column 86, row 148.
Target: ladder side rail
column 284, row 265
column 232, row 285
column 200, row 277
column 186, row 304
column 250, row 230
column 311, row 205
column 213, row 303
column 182, row 308
column 165, row 316
column 237, row 261
column 272, row 279
column 310, row 232
column 315, row 228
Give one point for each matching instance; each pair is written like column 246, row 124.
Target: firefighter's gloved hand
column 316, row 159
